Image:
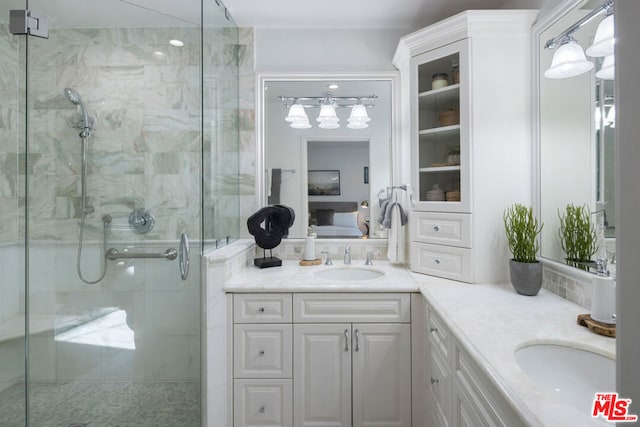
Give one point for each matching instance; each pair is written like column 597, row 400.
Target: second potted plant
column 578, row 236
column 522, row 230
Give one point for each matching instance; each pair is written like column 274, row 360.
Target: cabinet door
column 381, row 375
column 440, row 126
column 322, row 375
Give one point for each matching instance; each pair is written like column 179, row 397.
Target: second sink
column 571, row 374
column 349, row 274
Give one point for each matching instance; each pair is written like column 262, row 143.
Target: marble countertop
column 292, row 277
column 491, row 321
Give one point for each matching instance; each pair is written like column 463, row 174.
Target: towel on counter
column 276, row 181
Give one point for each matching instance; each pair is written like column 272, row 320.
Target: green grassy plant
column 522, row 230
column 577, row 235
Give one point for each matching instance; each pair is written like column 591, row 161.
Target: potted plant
column 578, row 237
column 453, row 155
column 522, row 230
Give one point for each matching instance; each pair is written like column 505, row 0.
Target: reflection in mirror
column 329, row 175
column 577, row 138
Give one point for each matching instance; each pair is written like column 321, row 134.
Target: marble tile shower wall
column 145, row 148
column 9, row 136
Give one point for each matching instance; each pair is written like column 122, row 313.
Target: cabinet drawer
column 440, row 381
column 439, row 336
column 262, row 351
column 442, row 228
column 442, row 261
column 260, row 403
column 371, row 308
column 262, row 308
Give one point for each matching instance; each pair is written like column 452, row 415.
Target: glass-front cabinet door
column 440, row 155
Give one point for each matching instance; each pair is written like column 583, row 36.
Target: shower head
column 73, row 96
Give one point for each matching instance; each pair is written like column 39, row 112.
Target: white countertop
column 491, row 321
column 292, row 277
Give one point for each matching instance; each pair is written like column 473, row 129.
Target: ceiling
column 360, row 14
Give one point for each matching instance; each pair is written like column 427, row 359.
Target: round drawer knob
column 262, row 409
column 436, row 228
column 437, row 261
column 261, row 310
column 261, row 353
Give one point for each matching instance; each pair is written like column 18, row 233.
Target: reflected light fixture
column 568, row 61
column 604, row 40
column 608, row 69
column 328, row 104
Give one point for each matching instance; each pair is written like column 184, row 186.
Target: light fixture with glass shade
column 297, row 117
column 608, row 69
column 359, row 119
column 328, row 118
column 328, row 104
column 603, row 42
column 568, row 61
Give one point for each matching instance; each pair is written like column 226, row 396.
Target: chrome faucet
column 369, row 260
column 328, row 260
column 347, row 255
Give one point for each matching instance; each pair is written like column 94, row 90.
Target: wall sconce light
column 568, row 61
column 604, row 40
column 328, row 118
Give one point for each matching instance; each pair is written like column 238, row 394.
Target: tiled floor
column 105, row 404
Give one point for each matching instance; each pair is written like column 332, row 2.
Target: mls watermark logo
column 612, row 408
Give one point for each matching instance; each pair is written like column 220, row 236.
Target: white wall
column 628, row 198
column 325, row 50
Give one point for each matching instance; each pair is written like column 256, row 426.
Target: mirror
column 330, row 177
column 576, row 141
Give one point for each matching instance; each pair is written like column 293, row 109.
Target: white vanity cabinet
column 459, row 393
column 470, row 139
column 338, row 359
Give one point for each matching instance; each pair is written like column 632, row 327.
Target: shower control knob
column 141, row 221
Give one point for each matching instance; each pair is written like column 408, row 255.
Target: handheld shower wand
column 73, row 96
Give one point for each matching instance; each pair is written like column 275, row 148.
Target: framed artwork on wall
column 324, row 183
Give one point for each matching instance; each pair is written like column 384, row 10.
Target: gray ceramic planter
column 526, row 277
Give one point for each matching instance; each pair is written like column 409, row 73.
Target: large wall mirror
column 331, row 174
column 576, row 135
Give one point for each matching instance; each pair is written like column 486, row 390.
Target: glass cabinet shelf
column 440, row 130
column 438, row 169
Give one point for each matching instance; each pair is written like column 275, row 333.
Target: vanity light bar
column 337, row 101
column 607, row 8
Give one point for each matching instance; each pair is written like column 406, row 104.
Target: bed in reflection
column 337, row 220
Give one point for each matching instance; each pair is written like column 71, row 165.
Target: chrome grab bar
column 169, row 254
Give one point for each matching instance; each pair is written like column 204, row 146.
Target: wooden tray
column 606, row 329
column 306, row 263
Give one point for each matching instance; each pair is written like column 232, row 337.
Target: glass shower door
column 12, row 224
column 113, row 167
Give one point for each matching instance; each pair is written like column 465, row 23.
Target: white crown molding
column 471, row 23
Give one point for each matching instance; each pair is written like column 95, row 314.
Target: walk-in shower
column 101, row 124
column 85, row 126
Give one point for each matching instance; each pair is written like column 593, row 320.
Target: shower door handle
column 184, row 256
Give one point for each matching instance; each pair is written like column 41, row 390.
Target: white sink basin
column 571, row 374
column 349, row 274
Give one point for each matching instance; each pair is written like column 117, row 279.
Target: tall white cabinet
column 469, row 138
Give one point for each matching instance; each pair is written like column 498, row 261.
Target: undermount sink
column 571, row 374
column 349, row 274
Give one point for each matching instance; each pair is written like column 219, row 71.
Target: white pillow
column 346, row 219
